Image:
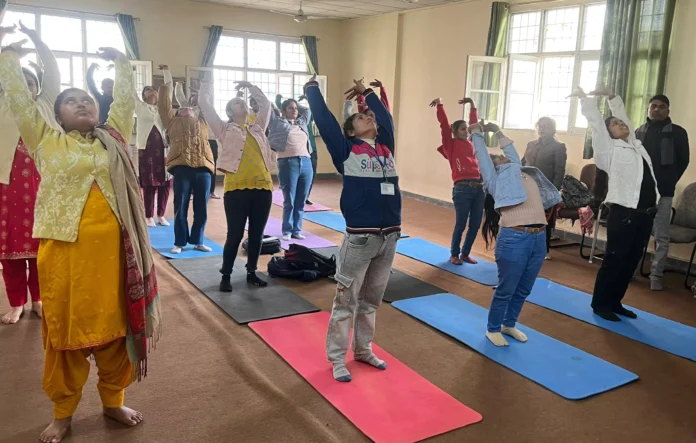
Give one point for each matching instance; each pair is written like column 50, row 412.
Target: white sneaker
column 298, row 236
column 162, row 221
column 150, row 222
column 286, row 237
column 203, row 248
column 176, row 250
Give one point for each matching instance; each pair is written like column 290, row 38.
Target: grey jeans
column 661, row 234
column 362, row 273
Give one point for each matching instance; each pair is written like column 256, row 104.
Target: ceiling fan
column 300, row 17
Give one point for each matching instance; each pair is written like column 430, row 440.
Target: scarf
column 142, row 300
column 666, row 142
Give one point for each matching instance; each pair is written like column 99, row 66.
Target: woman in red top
column 467, row 193
column 18, row 250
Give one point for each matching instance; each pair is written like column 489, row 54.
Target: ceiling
column 336, row 9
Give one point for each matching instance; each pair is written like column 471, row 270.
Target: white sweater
column 148, row 116
column 621, row 160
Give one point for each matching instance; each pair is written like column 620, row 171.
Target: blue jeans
column 189, row 181
column 519, row 256
column 295, row 177
column 468, row 205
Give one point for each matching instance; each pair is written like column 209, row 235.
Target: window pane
column 78, row 72
column 13, row 18
column 230, row 52
column 265, row 81
column 300, row 81
column 523, row 76
column 522, row 96
column 292, row 57
column 593, row 27
column 224, row 88
column 142, row 77
column 262, row 54
column 65, row 72
column 103, row 35
column 485, row 76
column 556, row 85
column 561, row 33
column 62, row 33
column 487, row 105
column 285, row 86
column 588, row 82
column 520, row 108
column 524, row 32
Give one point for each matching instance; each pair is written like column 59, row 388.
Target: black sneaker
column 309, row 202
column 625, row 312
column 255, row 280
column 225, row 284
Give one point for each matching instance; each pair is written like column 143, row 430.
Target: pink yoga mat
column 278, row 201
column 392, row 406
column 274, row 227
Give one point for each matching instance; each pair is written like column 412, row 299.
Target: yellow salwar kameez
column 81, row 259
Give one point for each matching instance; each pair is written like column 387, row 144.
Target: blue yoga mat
column 561, row 368
column 658, row 332
column 483, row 272
column 331, row 220
column 162, row 241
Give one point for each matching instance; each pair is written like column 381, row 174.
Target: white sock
column 176, row 250
column 203, row 248
column 163, row 221
column 497, row 338
column 371, row 359
column 150, row 222
column 514, row 333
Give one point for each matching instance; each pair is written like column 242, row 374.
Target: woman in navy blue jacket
column 363, row 154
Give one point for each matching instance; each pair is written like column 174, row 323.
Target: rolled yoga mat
column 315, row 207
column 559, row 367
column 483, row 272
column 332, row 220
column 246, row 303
column 658, row 332
column 401, row 286
column 274, row 228
column 162, row 241
column 392, row 406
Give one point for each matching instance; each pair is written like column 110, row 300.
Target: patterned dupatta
column 143, row 303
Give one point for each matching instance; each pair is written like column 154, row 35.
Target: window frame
column 502, row 97
column 578, row 53
column 84, row 54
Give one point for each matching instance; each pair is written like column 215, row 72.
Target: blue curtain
column 310, row 45
column 211, row 48
column 127, row 26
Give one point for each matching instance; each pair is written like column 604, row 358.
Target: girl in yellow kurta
column 95, row 265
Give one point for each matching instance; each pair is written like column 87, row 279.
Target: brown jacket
column 188, row 136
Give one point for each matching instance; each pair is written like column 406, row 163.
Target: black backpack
column 575, row 193
column 301, row 257
column 280, row 267
column 269, row 245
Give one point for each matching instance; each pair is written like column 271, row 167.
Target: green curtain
column 310, row 45
column 211, row 48
column 633, row 60
column 495, row 47
column 127, row 26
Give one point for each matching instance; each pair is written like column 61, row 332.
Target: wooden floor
column 211, row 380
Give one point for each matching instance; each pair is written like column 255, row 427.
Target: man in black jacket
column 668, row 146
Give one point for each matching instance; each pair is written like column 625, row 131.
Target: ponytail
column 491, row 221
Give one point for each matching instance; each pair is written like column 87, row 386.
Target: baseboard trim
column 424, row 199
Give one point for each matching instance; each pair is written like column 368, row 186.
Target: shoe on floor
column 214, row 196
column 162, row 221
column 286, row 237
column 625, row 312
column 150, row 222
column 298, row 236
column 309, row 202
column 203, row 248
column 607, row 315
column 226, row 283
column 176, row 250
column 655, row 285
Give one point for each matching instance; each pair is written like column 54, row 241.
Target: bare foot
column 37, row 308
column 455, row 260
column 13, row 316
column 56, row 431
column 470, row 260
column 124, row 415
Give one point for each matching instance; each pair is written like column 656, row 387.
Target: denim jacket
column 279, row 129
column 504, row 182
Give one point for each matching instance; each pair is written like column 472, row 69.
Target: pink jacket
column 232, row 137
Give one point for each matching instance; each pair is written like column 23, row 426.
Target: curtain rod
column 538, row 2
column 43, row 8
column 257, row 33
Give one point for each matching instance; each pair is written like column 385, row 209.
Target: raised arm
column 602, row 143
column 445, row 129
column 508, row 147
column 485, row 163
column 382, row 93
column 179, row 94
column 278, row 101
column 32, row 126
column 91, row 85
column 50, row 80
column 205, row 102
column 164, row 105
column 473, row 111
column 305, row 113
column 121, row 111
column 330, row 130
column 384, row 119
column 263, row 117
column 348, row 107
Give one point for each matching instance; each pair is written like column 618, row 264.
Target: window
column 277, row 65
column 74, row 39
column 550, row 51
